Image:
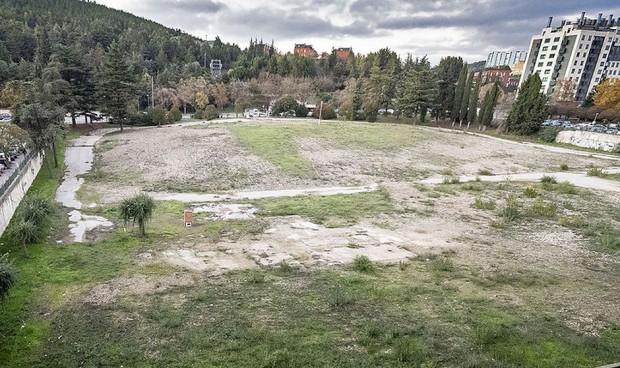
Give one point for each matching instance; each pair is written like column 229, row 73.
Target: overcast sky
column 437, row 28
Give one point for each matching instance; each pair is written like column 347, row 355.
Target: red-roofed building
column 305, row 50
column 344, row 53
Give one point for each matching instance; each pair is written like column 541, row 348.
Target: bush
column 363, row 264
column 32, row 221
column 285, row 104
column 199, row 114
column 301, row 111
column 7, row 276
column 211, row 113
column 539, row 208
column 597, row 171
column 137, row 209
column 548, row 134
column 175, row 114
column 530, row 192
column 481, row 204
column 548, row 179
column 327, row 113
column 564, row 167
column 156, row 116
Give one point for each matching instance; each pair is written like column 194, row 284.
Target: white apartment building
column 583, row 52
column 503, row 58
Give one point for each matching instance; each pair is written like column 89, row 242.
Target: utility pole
column 152, row 93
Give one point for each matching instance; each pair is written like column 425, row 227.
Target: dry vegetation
column 455, row 274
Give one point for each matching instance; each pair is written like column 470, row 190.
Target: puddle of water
column 78, row 160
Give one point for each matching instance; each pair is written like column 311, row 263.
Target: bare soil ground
column 428, row 218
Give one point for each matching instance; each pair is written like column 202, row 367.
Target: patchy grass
column 481, row 204
column 331, row 211
column 277, row 143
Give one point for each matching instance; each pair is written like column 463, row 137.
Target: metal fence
column 16, row 174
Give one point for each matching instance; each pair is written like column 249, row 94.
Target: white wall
column 605, row 142
column 13, row 196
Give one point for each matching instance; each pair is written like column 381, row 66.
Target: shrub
column 597, row 171
column 548, row 179
column 138, row 209
column 539, row 208
column 548, row 134
column 156, row 116
column 175, row 114
column 32, row 221
column 7, row 276
column 485, row 172
column 339, row 298
column 511, row 211
column 327, row 113
column 567, row 188
column 530, row 192
column 199, row 114
column 211, row 113
column 564, row 167
column 363, row 264
column 481, row 204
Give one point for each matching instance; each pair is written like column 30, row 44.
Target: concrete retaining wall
column 601, row 141
column 16, row 192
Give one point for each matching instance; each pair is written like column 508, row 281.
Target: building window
column 604, row 56
column 545, row 79
column 602, row 63
column 556, row 39
column 596, row 80
column 547, row 40
column 599, row 71
column 579, row 72
column 587, row 46
column 607, row 47
column 547, row 71
column 590, row 38
column 545, row 48
column 583, row 37
column 580, row 45
column 554, row 47
column 540, row 64
column 550, row 63
column 578, row 54
column 581, row 63
column 551, row 56
column 573, row 71
column 543, row 56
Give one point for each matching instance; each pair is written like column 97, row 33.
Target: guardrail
column 16, row 173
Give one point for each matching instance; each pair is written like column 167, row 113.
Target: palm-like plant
column 138, row 209
column 7, row 276
column 25, row 232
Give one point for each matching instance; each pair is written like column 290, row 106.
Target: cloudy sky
column 437, row 28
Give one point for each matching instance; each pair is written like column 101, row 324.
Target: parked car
column 6, row 117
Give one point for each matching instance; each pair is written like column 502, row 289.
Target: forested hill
column 89, row 29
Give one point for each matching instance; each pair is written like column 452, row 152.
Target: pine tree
column 529, row 110
column 447, row 72
column 458, row 94
column 116, row 84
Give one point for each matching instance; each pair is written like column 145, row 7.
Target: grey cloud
column 277, row 23
column 190, row 6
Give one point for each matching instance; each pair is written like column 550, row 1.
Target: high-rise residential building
column 582, row 52
column 305, row 50
column 505, row 58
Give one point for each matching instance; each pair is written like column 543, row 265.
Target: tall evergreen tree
column 458, row 94
column 472, row 110
column 488, row 106
column 529, row 109
column 447, row 71
column 116, row 86
column 465, row 100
